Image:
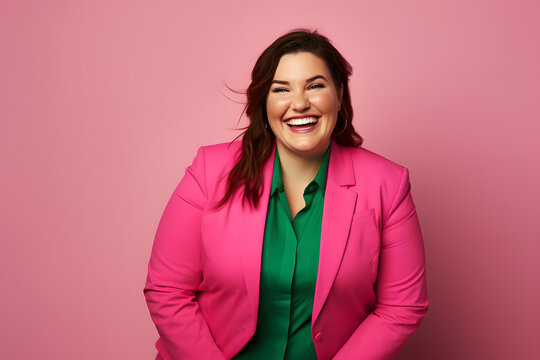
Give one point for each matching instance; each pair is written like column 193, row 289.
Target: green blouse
column 290, row 259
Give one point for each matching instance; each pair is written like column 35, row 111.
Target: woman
column 295, row 243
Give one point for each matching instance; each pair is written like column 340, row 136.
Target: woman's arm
column 401, row 288
column 174, row 271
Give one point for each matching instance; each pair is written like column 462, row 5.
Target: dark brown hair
column 258, row 139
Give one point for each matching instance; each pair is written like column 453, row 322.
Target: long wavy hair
column 258, row 139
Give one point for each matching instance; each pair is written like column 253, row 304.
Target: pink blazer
column 202, row 288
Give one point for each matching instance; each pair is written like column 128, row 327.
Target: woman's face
column 302, row 105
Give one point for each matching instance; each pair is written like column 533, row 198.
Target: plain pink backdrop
column 104, row 103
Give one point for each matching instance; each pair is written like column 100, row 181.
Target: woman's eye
column 314, row 86
column 279, row 90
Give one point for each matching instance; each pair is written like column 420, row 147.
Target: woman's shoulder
column 376, row 174
column 219, row 155
column 363, row 159
column 217, row 160
column 222, row 152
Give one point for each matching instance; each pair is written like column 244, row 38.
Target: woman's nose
column 300, row 101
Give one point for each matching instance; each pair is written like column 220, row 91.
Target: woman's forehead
column 301, row 66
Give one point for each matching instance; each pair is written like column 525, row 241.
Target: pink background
column 104, row 103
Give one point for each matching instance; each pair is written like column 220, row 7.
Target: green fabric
column 290, row 260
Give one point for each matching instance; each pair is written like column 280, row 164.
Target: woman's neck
column 299, row 168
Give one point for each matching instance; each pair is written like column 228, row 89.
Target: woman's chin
column 307, row 149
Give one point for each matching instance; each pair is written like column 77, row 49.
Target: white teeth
column 303, row 121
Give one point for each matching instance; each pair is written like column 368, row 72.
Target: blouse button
column 318, row 336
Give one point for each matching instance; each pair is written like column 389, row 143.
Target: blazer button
column 318, row 336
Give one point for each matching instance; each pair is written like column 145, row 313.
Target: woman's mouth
column 302, row 125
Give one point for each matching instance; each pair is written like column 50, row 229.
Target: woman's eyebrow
column 308, row 80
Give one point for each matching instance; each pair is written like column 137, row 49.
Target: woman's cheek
column 324, row 102
column 276, row 108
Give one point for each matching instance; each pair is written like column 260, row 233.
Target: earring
column 345, row 127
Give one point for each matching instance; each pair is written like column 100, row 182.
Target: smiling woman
column 295, row 243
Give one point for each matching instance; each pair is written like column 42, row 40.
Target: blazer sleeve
column 174, row 271
column 400, row 289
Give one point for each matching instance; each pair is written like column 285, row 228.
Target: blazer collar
column 340, row 168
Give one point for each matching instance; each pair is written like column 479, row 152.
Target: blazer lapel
column 251, row 229
column 339, row 203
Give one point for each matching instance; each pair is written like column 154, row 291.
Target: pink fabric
column 203, row 276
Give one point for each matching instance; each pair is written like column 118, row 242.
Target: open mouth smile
column 302, row 121
column 303, row 125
